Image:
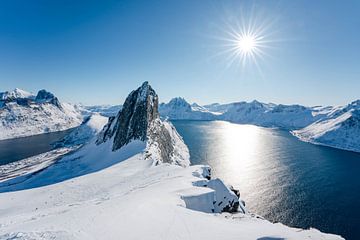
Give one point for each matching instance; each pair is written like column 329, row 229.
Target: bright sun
column 246, row 44
column 246, row 37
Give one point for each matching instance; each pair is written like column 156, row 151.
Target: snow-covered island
column 337, row 127
column 23, row 114
column 131, row 180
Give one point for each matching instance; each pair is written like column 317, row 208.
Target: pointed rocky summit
column 139, row 120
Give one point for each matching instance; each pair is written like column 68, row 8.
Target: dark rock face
column 133, row 121
column 44, row 96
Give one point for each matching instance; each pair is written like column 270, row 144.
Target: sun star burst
column 246, row 39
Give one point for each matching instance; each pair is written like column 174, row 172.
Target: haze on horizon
column 95, row 52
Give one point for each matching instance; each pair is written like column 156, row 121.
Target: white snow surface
column 91, row 126
column 37, row 118
column 119, row 195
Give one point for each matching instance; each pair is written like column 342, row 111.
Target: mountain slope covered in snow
column 340, row 129
column 132, row 181
column 24, row 114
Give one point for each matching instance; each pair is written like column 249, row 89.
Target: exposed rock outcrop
column 44, row 96
column 139, row 120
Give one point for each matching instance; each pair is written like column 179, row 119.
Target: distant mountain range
column 25, row 114
column 337, row 127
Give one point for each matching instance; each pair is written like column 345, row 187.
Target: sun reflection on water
column 279, row 177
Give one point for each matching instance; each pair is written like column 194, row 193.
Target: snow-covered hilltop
column 131, row 181
column 332, row 126
column 24, row 114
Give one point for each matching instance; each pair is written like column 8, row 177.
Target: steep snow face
column 29, row 115
column 340, row 129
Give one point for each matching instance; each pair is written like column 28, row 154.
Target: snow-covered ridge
column 24, row 114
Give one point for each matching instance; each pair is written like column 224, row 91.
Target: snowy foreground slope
column 337, row 127
column 23, row 114
column 131, row 181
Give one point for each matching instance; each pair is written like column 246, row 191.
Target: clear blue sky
column 95, row 52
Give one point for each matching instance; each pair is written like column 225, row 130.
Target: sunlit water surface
column 12, row 150
column 279, row 177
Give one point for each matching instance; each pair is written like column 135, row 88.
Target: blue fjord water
column 279, row 177
column 12, row 150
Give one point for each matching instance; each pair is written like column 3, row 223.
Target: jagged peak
column 44, row 96
column 139, row 110
column 139, row 120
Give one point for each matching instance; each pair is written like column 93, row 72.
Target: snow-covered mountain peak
column 44, row 96
column 179, row 102
column 355, row 104
column 139, row 121
column 139, row 110
column 15, row 94
column 24, row 98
